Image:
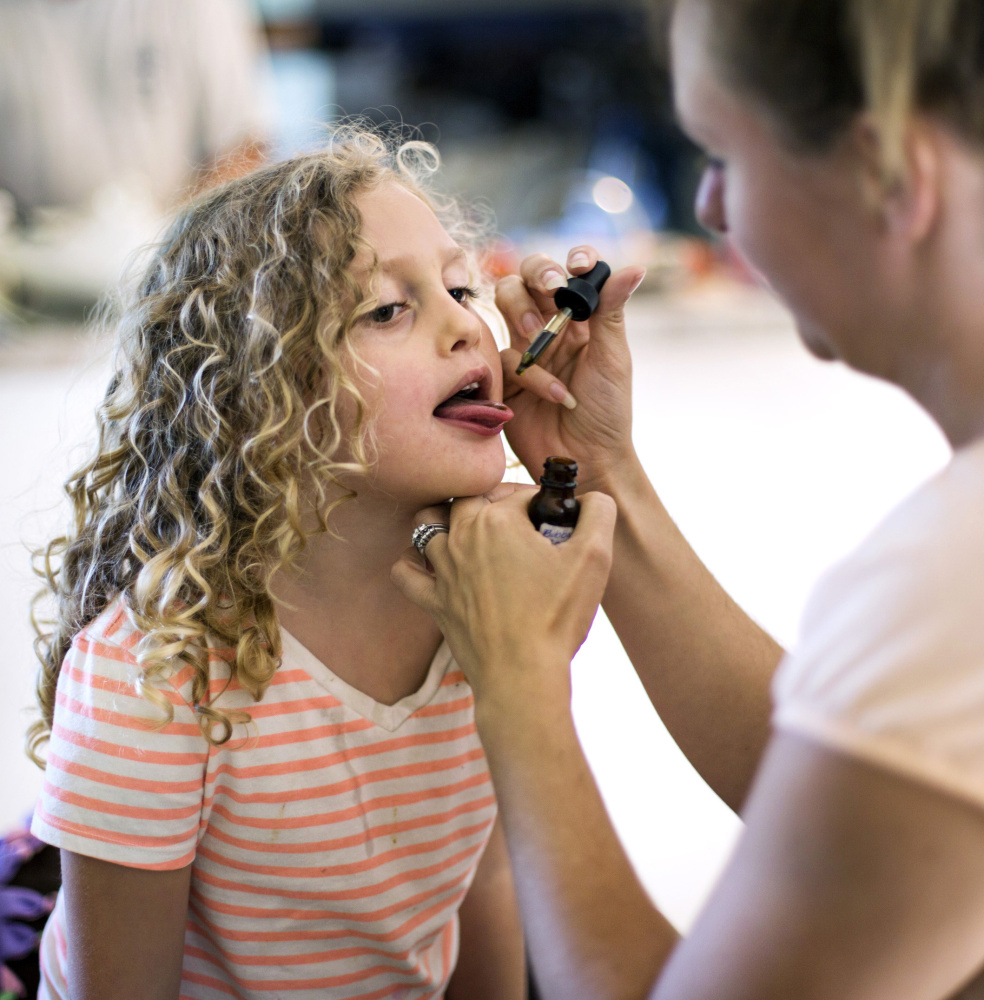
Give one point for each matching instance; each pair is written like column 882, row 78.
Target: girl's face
column 436, row 402
column 799, row 220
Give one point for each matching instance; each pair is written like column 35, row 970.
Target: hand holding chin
column 513, row 607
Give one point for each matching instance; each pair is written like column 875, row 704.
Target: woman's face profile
column 799, row 220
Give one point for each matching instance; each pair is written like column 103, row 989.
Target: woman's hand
column 514, row 607
column 588, row 361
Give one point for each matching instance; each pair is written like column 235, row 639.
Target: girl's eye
column 714, row 163
column 387, row 313
column 463, row 294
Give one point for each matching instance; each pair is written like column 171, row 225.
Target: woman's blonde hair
column 220, row 438
column 815, row 65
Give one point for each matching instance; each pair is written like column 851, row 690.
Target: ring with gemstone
column 423, row 533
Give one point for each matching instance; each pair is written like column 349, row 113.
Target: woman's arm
column 126, row 929
column 849, row 881
column 491, row 961
column 704, row 663
column 513, row 627
column 706, row 666
column 592, row 931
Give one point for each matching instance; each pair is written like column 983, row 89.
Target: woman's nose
column 709, row 203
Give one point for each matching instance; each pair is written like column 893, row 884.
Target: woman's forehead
column 697, row 91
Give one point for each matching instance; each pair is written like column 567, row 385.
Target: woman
column 846, row 162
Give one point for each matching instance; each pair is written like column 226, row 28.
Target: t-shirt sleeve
column 119, row 786
column 890, row 664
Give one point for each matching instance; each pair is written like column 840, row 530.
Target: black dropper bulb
column 581, row 293
column 577, row 301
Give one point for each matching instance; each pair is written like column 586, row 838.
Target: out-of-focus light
column 612, row 195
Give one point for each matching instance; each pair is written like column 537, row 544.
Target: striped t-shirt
column 331, row 840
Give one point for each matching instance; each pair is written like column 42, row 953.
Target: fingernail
column 552, row 280
column 559, row 392
column 638, row 283
column 579, row 260
column 531, row 324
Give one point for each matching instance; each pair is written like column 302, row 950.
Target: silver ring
column 423, row 533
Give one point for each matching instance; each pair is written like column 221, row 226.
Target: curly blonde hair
column 220, row 432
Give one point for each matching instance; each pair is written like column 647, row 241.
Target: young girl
column 262, row 766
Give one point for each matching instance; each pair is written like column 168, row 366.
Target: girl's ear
column 905, row 197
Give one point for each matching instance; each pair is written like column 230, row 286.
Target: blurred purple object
column 18, row 904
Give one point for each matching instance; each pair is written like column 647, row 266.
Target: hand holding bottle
column 513, row 607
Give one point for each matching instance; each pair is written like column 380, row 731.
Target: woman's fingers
column 494, row 573
column 504, row 490
column 527, row 299
column 534, row 379
column 542, row 274
column 412, row 578
column 581, row 259
column 525, row 312
column 609, row 317
column 439, row 514
column 412, row 571
column 607, row 329
column 596, row 528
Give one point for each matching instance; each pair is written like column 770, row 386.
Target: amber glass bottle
column 554, row 509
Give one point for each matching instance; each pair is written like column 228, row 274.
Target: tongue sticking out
column 475, row 411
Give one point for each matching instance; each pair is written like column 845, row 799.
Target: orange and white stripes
column 332, row 841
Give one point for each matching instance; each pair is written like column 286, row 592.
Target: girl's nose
column 462, row 329
column 709, row 203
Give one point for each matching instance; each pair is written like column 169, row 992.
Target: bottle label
column 555, row 533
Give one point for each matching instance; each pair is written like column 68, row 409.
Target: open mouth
column 470, row 405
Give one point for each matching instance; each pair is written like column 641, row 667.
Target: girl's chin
column 478, row 481
column 428, row 491
column 477, row 486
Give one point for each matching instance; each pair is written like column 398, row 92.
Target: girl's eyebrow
column 401, row 262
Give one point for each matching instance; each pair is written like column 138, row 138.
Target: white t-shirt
column 890, row 663
column 135, row 91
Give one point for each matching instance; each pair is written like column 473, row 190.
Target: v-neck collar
column 388, row 717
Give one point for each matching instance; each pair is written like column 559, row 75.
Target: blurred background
column 558, row 117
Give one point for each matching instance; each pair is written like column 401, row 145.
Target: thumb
column 607, row 325
column 415, row 582
column 596, row 522
column 615, row 293
column 507, row 489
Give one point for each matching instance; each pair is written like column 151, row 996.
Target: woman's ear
column 905, row 194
